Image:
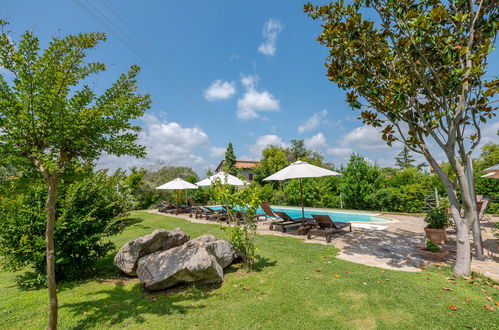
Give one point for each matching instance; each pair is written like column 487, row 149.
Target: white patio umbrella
column 299, row 170
column 492, row 172
column 177, row 184
column 225, row 178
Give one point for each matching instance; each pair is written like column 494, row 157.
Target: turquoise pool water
column 335, row 215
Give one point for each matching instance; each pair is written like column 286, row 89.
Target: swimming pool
column 341, row 216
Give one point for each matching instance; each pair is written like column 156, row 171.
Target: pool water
column 335, row 215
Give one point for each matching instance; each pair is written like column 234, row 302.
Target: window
column 250, row 177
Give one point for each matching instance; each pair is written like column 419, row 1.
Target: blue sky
column 246, row 72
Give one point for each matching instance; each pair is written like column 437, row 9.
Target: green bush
column 437, row 218
column 432, row 247
column 408, row 198
column 266, row 193
column 359, row 180
column 88, row 212
column 241, row 227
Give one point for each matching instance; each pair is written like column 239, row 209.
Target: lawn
column 295, row 285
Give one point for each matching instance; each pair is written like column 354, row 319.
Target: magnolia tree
column 418, row 69
column 49, row 117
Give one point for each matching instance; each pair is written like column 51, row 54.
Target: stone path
column 391, row 245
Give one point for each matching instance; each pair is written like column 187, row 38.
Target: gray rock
column 223, row 251
column 199, row 260
column 159, row 240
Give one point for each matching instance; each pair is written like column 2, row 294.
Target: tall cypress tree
column 230, row 161
column 404, row 159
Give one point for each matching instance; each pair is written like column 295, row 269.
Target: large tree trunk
column 473, row 211
column 52, row 181
column 465, row 223
column 462, row 266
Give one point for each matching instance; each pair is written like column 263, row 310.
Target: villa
column 245, row 168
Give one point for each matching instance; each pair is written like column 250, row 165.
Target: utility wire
column 144, row 56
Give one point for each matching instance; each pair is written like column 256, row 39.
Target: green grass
column 296, row 285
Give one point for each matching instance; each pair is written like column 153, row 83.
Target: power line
column 110, row 9
column 143, row 55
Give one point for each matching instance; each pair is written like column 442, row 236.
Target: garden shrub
column 432, row 246
column 408, row 198
column 437, row 218
column 242, row 205
column 266, row 193
column 359, row 180
column 88, row 212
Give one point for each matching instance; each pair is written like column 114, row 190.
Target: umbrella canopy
column 225, row 178
column 177, row 184
column 492, row 172
column 299, row 170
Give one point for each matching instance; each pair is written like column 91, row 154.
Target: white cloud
column 254, row 101
column 313, row 122
column 219, row 90
column 271, row 30
column 489, row 132
column 340, row 152
column 167, row 142
column 172, row 135
column 365, row 140
column 264, row 141
column 217, row 151
column 364, row 137
column 316, row 142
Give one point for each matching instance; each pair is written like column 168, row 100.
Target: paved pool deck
column 390, row 245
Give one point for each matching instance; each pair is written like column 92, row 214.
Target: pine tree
column 404, row 159
column 230, row 161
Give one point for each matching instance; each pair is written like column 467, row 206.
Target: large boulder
column 199, row 260
column 223, row 251
column 159, row 240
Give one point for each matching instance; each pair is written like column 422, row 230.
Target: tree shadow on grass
column 121, row 305
column 105, row 268
column 260, row 264
column 141, row 226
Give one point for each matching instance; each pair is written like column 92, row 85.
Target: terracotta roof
column 242, row 164
column 247, row 163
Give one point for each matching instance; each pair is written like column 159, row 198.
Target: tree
column 420, row 69
column 6, row 171
column 146, row 193
column 230, row 161
column 50, row 117
column 296, row 151
column 273, row 160
column 358, row 181
column 404, row 159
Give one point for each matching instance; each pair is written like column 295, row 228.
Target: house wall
column 246, row 173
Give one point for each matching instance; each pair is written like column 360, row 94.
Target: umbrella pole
column 302, row 209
